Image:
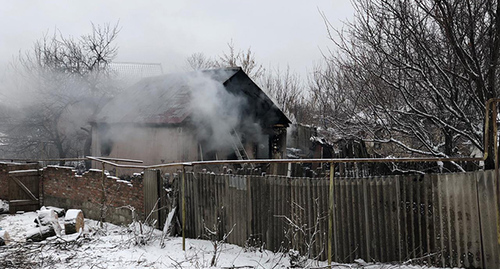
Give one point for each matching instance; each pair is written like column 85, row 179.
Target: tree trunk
column 489, row 134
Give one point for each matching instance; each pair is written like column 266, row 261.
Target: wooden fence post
column 183, row 189
column 495, row 149
column 103, row 198
column 330, row 215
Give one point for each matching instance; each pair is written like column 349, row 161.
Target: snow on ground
column 4, row 207
column 115, row 247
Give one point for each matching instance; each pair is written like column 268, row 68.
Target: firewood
column 59, row 211
column 45, row 216
column 48, row 217
column 73, row 221
column 39, row 234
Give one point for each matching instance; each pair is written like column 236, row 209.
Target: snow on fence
column 436, row 219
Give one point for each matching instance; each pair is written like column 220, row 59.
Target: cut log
column 73, row 221
column 45, row 216
column 59, row 211
column 40, row 233
column 4, row 235
column 48, row 217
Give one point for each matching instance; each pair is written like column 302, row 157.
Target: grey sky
column 279, row 32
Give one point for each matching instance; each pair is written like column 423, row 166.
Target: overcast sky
column 280, row 32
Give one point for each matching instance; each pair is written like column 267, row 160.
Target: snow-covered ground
column 115, row 247
column 4, row 207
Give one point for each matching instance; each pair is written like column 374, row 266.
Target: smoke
column 47, row 105
column 198, row 101
column 216, row 113
column 46, row 113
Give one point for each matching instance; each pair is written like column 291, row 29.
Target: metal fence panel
column 442, row 220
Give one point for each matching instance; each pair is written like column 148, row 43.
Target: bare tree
column 288, row 91
column 199, row 61
column 232, row 58
column 420, row 72
column 64, row 84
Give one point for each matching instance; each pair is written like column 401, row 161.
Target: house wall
column 152, row 145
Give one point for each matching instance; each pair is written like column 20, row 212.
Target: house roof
column 167, row 99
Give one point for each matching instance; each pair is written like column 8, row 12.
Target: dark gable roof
column 165, row 99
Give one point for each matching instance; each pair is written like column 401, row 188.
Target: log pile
column 47, row 226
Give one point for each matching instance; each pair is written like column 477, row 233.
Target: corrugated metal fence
column 441, row 220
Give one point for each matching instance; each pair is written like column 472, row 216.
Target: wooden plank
column 404, row 218
column 447, row 216
column 429, row 232
column 460, row 232
column 417, row 202
column 379, row 219
column 450, row 205
column 471, row 218
column 349, row 224
column 300, row 216
column 190, row 204
column 371, row 193
column 307, row 213
column 398, row 216
column 24, row 173
column 23, row 202
column 264, row 204
column 355, row 246
column 436, row 240
column 342, row 223
column 272, row 226
column 198, row 217
column 293, row 215
column 249, row 209
column 366, row 219
column 443, row 227
column 475, row 260
column 487, row 205
column 392, row 220
column 359, row 216
column 228, row 224
column 317, row 218
column 285, row 208
column 151, row 197
column 386, row 219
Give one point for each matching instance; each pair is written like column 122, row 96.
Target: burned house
column 195, row 116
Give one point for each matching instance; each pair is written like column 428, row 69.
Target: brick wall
column 63, row 188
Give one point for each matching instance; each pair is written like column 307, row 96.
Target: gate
column 24, row 190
